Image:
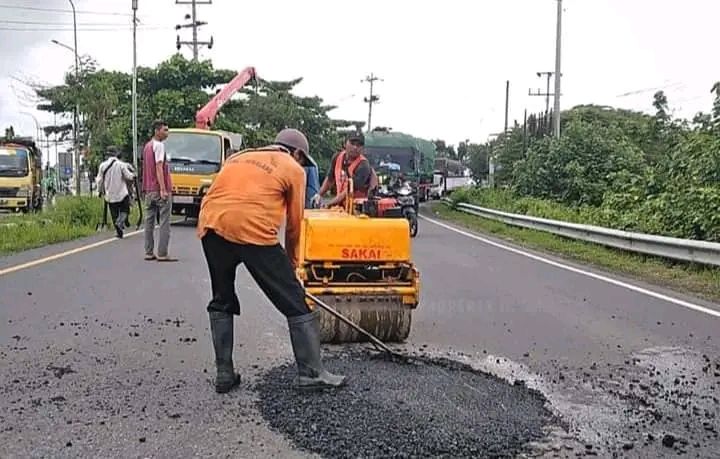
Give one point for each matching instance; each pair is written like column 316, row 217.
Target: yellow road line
column 40, row 261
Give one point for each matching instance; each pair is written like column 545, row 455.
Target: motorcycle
column 394, row 202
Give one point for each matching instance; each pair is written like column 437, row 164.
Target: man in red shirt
column 239, row 221
column 157, row 187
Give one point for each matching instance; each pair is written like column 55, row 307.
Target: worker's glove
column 315, row 200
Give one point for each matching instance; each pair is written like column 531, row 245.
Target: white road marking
column 635, row 288
column 40, row 261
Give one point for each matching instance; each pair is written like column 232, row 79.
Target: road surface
column 104, row 354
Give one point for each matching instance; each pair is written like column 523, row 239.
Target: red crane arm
column 206, row 115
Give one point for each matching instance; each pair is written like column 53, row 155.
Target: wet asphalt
column 95, row 363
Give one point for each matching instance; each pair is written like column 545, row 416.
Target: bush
column 693, row 213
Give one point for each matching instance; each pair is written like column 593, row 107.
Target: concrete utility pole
column 195, row 44
column 76, row 116
column 134, row 89
column 558, row 34
column 507, row 107
column 373, row 97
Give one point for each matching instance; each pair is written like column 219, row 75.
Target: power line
column 57, row 10
column 117, row 29
column 7, row 21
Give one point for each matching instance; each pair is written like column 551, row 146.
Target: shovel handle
column 349, row 322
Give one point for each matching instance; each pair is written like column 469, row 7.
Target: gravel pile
column 430, row 407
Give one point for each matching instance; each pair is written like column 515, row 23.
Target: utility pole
column 195, row 44
column 556, row 109
column 134, row 89
column 507, row 107
column 525, row 133
column 57, row 156
column 76, row 116
column 373, row 98
column 547, row 92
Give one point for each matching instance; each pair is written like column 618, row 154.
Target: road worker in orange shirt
column 239, row 222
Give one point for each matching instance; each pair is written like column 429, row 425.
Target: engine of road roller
column 363, row 268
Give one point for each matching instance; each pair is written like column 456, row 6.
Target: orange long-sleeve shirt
column 251, row 194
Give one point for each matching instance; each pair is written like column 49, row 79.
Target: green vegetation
column 173, row 91
column 615, row 168
column 684, row 277
column 71, row 218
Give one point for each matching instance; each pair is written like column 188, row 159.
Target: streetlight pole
column 76, row 116
column 556, row 108
column 37, row 127
column 134, row 88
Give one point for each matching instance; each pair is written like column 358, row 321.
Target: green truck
column 410, row 157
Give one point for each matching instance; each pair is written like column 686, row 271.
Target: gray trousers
column 157, row 208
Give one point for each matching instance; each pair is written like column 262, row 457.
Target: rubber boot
column 221, row 327
column 305, row 339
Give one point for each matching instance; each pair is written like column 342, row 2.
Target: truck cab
column 195, row 157
column 20, row 175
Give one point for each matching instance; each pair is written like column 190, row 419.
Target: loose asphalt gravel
column 425, row 407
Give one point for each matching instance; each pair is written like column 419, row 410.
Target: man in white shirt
column 112, row 180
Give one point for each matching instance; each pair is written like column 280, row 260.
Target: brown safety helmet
column 294, row 139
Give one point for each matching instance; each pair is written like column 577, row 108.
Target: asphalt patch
column 425, row 407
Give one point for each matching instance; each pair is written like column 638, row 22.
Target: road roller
column 362, row 267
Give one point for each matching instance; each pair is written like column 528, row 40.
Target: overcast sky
column 444, row 63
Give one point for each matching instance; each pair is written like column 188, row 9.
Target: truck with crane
column 197, row 154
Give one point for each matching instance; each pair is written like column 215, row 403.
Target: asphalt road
column 96, row 364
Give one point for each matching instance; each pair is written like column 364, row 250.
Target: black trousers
column 269, row 266
column 119, row 211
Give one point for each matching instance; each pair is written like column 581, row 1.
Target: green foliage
column 174, row 91
column 70, row 218
column 579, row 168
column 612, row 167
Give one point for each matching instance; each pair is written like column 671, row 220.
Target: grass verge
column 699, row 280
column 71, row 217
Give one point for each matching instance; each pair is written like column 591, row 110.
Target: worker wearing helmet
column 240, row 218
column 348, row 162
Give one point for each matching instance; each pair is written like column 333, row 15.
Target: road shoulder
column 695, row 284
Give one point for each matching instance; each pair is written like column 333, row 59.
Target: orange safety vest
column 341, row 181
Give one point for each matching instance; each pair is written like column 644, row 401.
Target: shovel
column 370, row 336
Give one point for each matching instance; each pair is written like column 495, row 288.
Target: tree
column 173, row 91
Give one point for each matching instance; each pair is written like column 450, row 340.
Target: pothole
column 431, row 407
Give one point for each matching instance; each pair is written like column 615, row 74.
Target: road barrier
column 702, row 252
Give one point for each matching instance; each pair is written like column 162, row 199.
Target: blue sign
column 68, row 171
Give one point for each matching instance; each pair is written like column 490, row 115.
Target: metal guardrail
column 702, row 252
